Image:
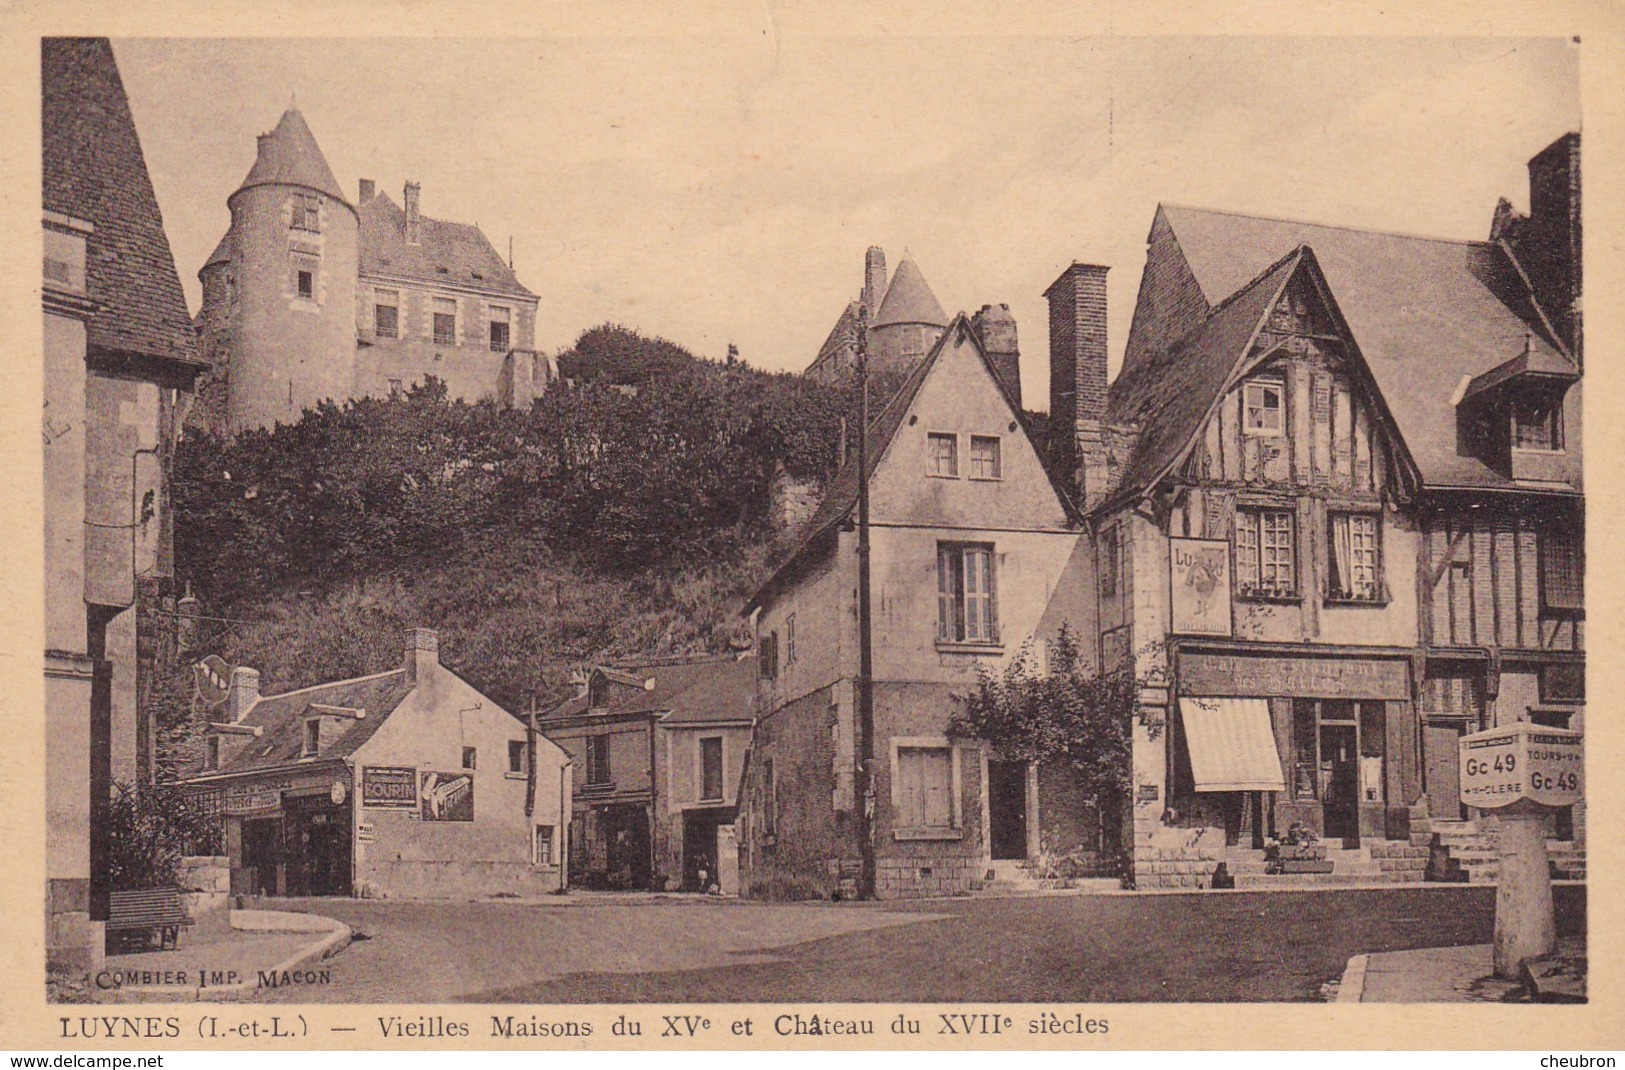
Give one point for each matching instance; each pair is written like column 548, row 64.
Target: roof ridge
column 1329, row 226
column 334, row 683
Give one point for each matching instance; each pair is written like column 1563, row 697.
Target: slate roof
column 94, row 170
column 283, row 718
column 909, row 299
column 843, row 334
column 1424, row 312
column 289, row 156
column 695, row 691
column 1169, row 395
column 462, row 250
column 841, row 498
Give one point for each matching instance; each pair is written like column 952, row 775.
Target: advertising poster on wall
column 446, row 796
column 1199, row 573
column 389, row 787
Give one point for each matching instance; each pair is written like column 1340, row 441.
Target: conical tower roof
column 289, row 156
column 909, row 299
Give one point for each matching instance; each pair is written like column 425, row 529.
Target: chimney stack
column 422, row 653
column 874, row 280
column 996, row 328
column 243, row 692
column 411, row 199
column 1550, row 250
column 368, row 188
column 1077, row 383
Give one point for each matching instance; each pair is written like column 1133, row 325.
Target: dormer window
column 1537, row 423
column 313, row 737
column 1262, row 409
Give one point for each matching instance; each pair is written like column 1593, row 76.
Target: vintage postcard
column 748, row 528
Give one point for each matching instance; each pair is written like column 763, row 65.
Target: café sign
column 1522, row 761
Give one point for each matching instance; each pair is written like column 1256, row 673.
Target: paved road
column 1187, row 948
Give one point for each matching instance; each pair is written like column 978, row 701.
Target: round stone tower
column 279, row 295
column 909, row 322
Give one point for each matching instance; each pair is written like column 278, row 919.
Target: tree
column 149, row 829
column 1068, row 714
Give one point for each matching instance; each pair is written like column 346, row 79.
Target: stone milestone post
column 1524, row 772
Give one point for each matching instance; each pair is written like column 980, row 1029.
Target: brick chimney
column 996, row 329
column 242, row 693
column 410, row 197
column 368, row 188
column 422, row 653
column 1552, row 236
column 874, row 279
column 1077, row 379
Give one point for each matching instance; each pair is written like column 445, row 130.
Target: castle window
column 944, row 454
column 307, row 212
column 445, row 321
column 386, row 313
column 499, row 329
column 1262, row 409
column 307, row 283
column 303, row 275
column 984, row 457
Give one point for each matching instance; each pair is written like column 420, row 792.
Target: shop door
column 329, row 853
column 1441, row 760
column 1340, row 782
column 261, row 853
column 1007, row 809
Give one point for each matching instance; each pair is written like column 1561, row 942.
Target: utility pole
column 866, row 667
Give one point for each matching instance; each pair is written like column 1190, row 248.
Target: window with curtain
column 1354, row 564
column 967, row 610
column 1266, row 553
column 984, row 457
column 925, row 787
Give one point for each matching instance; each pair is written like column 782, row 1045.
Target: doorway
column 1340, row 782
column 261, row 853
column 700, row 856
column 1007, row 809
column 1441, row 758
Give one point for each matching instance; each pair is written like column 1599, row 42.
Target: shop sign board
column 1199, row 575
column 446, row 796
column 243, row 799
column 389, row 787
column 1504, row 765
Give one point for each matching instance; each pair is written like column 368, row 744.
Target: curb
column 336, row 936
column 1351, row 989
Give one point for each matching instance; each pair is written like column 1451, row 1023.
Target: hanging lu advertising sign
column 1199, row 578
column 389, row 787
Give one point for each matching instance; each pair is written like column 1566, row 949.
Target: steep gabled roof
column 446, row 253
column 841, row 498
column 693, row 691
column 94, row 170
column 909, row 299
column 843, row 334
column 1170, row 394
column 1424, row 313
column 282, row 719
column 289, row 156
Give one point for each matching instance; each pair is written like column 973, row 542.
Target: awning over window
column 1231, row 744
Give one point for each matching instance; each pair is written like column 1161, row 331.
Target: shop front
column 287, row 833
column 1266, row 739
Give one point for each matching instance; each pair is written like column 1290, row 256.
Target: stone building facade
column 310, row 296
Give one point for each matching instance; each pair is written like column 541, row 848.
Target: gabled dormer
column 1511, row 416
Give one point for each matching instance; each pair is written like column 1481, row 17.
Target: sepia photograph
column 571, row 523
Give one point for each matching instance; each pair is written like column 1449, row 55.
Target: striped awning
column 1231, row 744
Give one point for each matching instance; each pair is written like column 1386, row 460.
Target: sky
column 724, row 188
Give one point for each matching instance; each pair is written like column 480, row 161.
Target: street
column 1247, row 947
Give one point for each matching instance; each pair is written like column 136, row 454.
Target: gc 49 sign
column 1522, row 761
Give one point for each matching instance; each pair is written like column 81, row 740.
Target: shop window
column 313, row 737
column 598, row 760
column 445, row 321
column 923, row 791
column 499, row 329
column 1373, row 749
column 711, row 769
column 470, row 757
column 943, row 454
column 1354, row 563
column 1262, row 409
column 544, row 845
column 985, row 462
column 386, row 313
column 967, row 610
column 1266, row 553
column 1562, row 570
column 518, row 757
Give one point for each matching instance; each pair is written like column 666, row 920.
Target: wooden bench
column 151, row 913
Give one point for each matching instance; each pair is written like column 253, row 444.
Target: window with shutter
column 967, row 596
column 924, row 789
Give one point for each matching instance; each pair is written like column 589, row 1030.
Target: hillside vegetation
column 628, row 512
